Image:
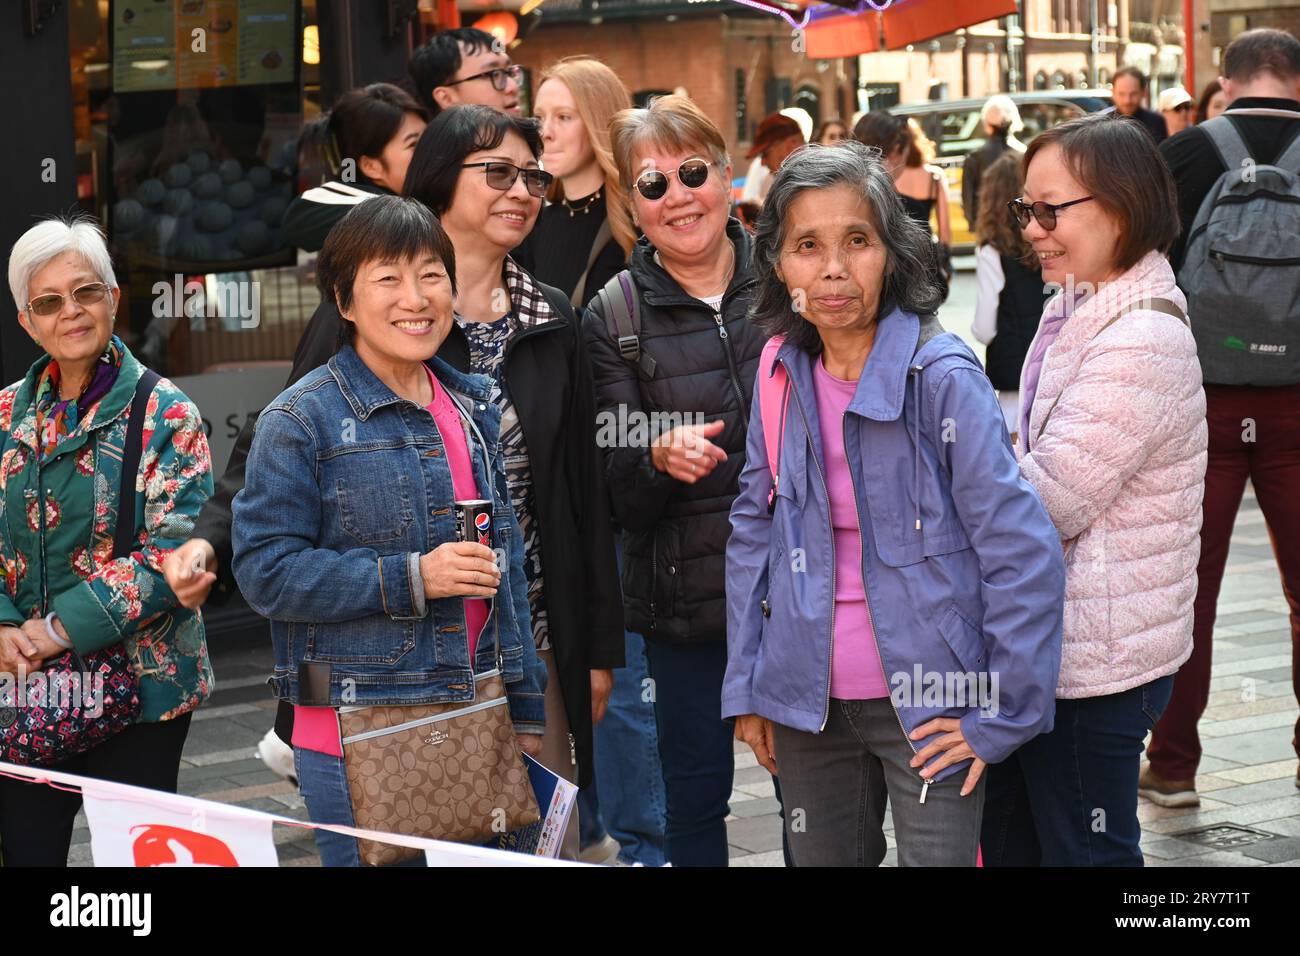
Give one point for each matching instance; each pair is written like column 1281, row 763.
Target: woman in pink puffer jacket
column 1113, row 438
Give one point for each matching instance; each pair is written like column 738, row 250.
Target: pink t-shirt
column 856, row 673
column 317, row 728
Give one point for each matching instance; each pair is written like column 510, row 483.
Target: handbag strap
column 124, row 535
column 597, row 247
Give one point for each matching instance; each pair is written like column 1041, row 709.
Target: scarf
column 56, row 417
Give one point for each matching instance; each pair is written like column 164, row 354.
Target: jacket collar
column 879, row 395
column 663, row 290
column 365, row 392
column 109, row 408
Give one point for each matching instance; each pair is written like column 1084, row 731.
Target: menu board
column 202, row 44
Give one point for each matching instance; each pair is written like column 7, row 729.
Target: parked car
column 955, row 127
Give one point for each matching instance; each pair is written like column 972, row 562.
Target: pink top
column 317, row 728
column 1052, row 323
column 856, row 673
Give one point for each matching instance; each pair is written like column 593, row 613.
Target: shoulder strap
column 597, row 247
column 1290, row 158
column 124, row 535
column 1154, row 305
column 773, row 400
column 1227, row 141
column 622, row 310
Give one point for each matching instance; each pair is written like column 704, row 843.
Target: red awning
column 905, row 22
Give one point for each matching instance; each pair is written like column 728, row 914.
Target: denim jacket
column 962, row 567
column 347, row 485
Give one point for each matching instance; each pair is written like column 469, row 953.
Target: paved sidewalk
column 1247, row 784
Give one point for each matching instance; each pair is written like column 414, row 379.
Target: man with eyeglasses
column 463, row 66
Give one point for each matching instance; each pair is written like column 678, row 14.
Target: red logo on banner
column 162, row 845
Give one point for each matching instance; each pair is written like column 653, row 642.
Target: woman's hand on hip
column 757, row 732
column 685, row 453
column 460, row 569
column 953, row 748
column 190, row 571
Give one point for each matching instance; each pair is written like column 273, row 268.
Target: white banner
column 134, row 826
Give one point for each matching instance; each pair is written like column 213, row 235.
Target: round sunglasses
column 502, row 176
column 1044, row 212
column 52, row 303
column 653, row 183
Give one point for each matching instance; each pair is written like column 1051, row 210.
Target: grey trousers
column 835, row 785
column 557, row 752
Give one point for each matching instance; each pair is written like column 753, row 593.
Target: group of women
column 841, row 519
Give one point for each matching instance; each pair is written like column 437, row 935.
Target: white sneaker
column 278, row 756
column 604, row 853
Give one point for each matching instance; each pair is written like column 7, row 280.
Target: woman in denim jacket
column 894, row 589
column 345, row 532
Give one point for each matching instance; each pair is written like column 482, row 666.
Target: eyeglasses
column 653, row 183
column 502, row 176
column 1044, row 212
column 500, row 77
column 52, row 303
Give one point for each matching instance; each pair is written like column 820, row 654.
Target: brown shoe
column 1167, row 793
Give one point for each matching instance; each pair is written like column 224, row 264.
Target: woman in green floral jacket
column 62, row 432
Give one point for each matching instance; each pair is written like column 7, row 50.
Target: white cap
column 1173, row 98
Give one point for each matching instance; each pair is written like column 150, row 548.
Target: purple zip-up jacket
column 962, row 566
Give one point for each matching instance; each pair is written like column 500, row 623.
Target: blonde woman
column 583, row 236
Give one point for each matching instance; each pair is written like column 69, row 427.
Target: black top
column 306, row 223
column 1020, row 307
column 675, row 534
column 1152, row 122
column 556, row 251
column 1195, row 162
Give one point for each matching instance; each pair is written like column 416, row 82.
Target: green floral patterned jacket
column 68, row 567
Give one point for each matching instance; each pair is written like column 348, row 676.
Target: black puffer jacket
column 675, row 535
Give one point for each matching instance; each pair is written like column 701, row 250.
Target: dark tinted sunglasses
column 653, row 183
column 502, row 176
column 1044, row 212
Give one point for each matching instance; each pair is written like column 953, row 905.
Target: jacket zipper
column 826, row 707
column 654, row 577
column 732, row 373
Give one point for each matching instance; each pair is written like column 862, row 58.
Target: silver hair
column 1005, row 109
column 911, row 265
column 53, row 237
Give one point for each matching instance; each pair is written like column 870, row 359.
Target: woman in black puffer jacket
column 673, row 406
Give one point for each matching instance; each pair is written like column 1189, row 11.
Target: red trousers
column 1255, row 434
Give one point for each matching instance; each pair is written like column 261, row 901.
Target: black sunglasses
column 502, row 176
column 500, row 77
column 653, row 183
column 1044, row 212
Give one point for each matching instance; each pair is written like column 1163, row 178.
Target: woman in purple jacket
column 894, row 598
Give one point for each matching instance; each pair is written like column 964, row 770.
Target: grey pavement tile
column 1245, row 652
column 1282, row 826
column 755, row 834
column 1257, row 792
column 1242, row 725
column 1274, row 851
column 1213, row 764
column 770, row 858
column 1215, row 858
column 1235, row 618
column 751, row 776
column 1281, row 636
column 1269, row 674
column 1268, row 662
column 222, row 769
column 1246, row 815
column 756, row 808
column 1172, row 849
column 1263, row 626
column 1259, row 746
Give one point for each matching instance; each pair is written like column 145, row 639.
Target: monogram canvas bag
column 440, row 771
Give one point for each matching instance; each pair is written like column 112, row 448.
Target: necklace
column 584, row 208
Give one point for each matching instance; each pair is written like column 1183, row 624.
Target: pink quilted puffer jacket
column 1120, row 468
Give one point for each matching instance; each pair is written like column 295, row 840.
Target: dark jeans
column 836, row 784
column 36, row 820
column 695, row 749
column 1255, row 434
column 1069, row 797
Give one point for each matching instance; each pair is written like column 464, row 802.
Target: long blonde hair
column 598, row 94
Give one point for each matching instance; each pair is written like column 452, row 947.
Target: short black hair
column 437, row 61
column 1132, row 71
column 386, row 228
column 453, row 135
column 1262, row 51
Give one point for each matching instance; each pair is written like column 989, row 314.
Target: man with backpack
column 1238, row 261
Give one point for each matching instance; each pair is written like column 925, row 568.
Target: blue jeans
column 627, row 791
column 695, row 749
column 324, row 786
column 1069, row 797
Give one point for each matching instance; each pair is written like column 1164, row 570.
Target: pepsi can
column 474, row 521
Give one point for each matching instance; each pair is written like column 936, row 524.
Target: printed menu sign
column 200, row 44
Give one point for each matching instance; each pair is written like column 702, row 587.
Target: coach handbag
column 59, row 716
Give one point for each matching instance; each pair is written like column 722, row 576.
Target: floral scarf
column 56, row 418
